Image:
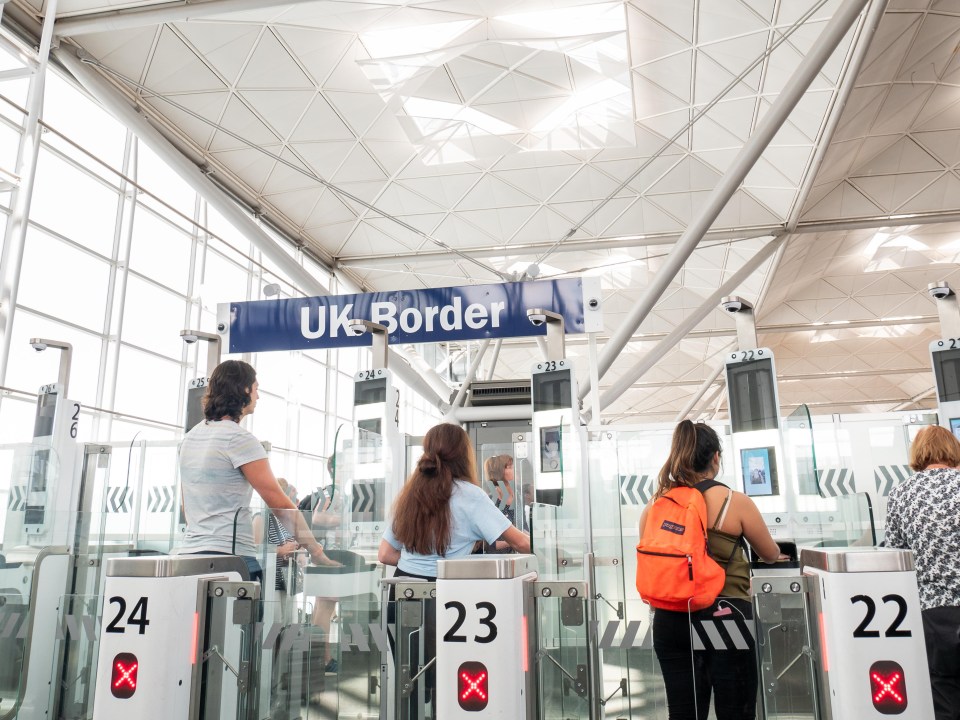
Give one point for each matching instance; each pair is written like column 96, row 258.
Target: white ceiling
column 422, row 144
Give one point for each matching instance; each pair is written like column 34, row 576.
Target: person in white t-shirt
column 221, row 464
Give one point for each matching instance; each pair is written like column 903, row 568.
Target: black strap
column 705, row 485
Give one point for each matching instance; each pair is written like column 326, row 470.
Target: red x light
column 123, row 678
column 472, row 686
column 888, row 689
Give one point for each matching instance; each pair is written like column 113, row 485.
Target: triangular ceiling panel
column 242, row 128
column 175, row 68
column 197, row 114
column 320, row 123
column 129, row 51
column 675, row 16
column 272, row 66
column 225, row 47
column 317, row 51
column 281, row 109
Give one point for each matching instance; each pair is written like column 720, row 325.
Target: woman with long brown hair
column 442, row 511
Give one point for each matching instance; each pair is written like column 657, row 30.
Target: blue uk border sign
column 471, row 312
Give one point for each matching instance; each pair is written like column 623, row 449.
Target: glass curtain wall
column 120, row 256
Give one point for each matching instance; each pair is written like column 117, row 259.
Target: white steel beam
column 741, row 165
column 127, row 18
column 300, row 277
column 689, row 323
column 15, row 232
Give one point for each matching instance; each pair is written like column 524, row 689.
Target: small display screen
column 753, row 399
column 759, row 469
column 550, row 449
column 946, row 369
column 552, row 391
column 46, row 412
column 194, row 407
column 368, row 392
column 955, row 427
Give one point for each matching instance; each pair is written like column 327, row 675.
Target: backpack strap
column 723, row 510
column 705, row 485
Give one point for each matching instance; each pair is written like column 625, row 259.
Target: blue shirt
column 473, row 517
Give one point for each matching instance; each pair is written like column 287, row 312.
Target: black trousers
column 725, row 667
column 941, row 630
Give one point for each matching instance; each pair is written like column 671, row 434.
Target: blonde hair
column 934, row 445
column 494, row 467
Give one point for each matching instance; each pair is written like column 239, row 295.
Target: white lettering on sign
column 316, row 322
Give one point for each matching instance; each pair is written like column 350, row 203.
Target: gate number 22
column 894, row 630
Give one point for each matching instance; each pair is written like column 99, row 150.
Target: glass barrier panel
column 783, row 641
column 362, row 492
column 562, row 664
column 798, row 431
column 74, row 662
column 33, row 472
column 503, row 478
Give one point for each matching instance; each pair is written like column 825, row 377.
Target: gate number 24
column 863, row 629
column 138, row 616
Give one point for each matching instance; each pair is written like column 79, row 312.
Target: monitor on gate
column 759, row 469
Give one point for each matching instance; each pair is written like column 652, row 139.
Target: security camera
column 593, row 303
column 359, row 327
column 38, row 346
column 536, row 319
column 939, row 290
column 189, row 339
column 735, row 304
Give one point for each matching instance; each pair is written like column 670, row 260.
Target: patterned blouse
column 923, row 515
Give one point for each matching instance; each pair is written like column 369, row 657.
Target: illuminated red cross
column 886, row 686
column 125, row 675
column 473, row 684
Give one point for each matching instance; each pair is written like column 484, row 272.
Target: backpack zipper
column 673, row 555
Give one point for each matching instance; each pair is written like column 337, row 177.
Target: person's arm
column 643, row 521
column 322, row 517
column 516, row 539
column 258, row 528
column 893, row 534
column 388, row 554
column 755, row 530
column 263, row 481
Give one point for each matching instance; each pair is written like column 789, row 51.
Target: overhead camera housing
column 189, row 338
column 536, row 318
column 939, row 290
column 38, row 345
column 735, row 304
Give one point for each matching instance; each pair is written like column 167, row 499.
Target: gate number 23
column 894, row 630
column 487, row 621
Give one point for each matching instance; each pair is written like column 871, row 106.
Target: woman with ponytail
column 442, row 511
column 691, row 676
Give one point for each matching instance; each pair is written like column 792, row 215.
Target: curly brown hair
column 228, row 392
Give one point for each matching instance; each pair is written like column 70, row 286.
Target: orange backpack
column 674, row 568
